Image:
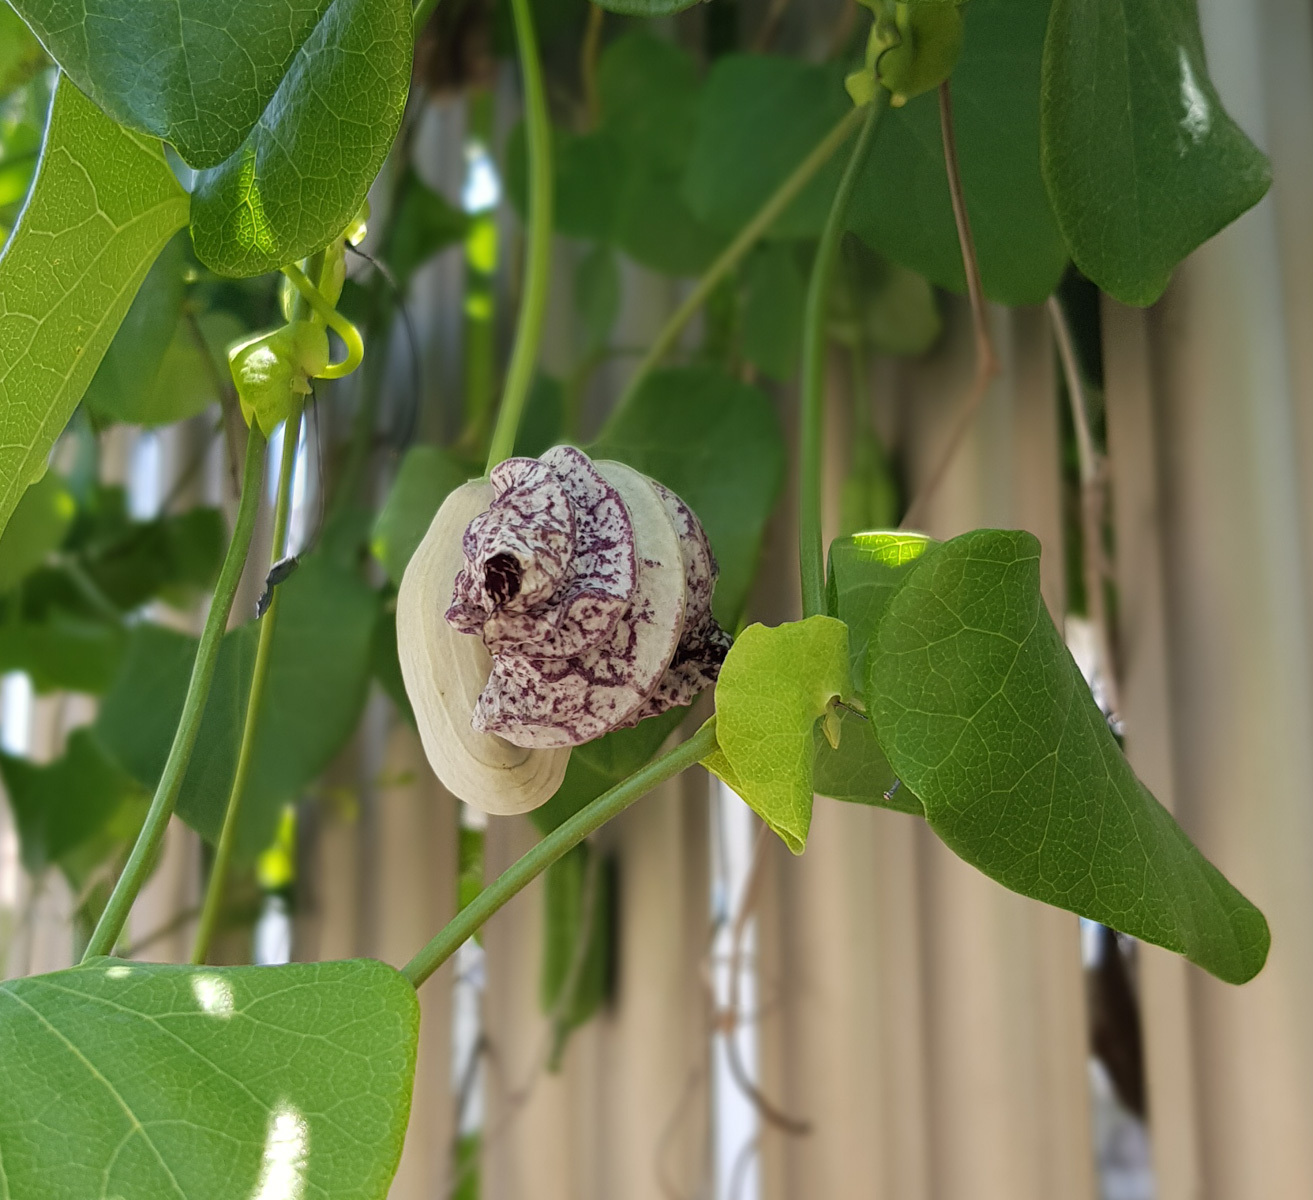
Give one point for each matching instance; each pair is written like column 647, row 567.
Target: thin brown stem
column 987, row 364
column 1093, row 505
column 588, row 54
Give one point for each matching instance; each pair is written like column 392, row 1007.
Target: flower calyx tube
column 559, row 600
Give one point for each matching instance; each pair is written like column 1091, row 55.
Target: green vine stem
column 811, row 547
column 733, row 254
column 147, row 845
column 422, row 12
column 537, row 273
column 355, row 347
column 554, row 846
column 213, row 905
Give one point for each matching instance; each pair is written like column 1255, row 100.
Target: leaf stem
column 810, row 545
column 554, row 846
column 537, row 274
column 733, row 254
column 142, row 858
column 213, row 905
column 355, row 347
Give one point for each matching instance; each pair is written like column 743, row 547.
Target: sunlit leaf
column 776, row 683
column 302, row 173
column 141, row 1081
column 103, row 205
column 985, row 716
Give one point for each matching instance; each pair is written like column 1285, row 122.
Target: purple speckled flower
column 591, row 585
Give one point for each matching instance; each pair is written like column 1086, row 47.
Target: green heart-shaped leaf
column 983, row 713
column 1142, row 162
column 144, row 1081
column 301, row 174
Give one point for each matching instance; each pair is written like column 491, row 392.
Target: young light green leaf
column 302, row 173
column 103, row 206
column 864, row 574
column 717, row 443
column 60, row 805
column 36, row 529
column 773, row 687
column 983, row 713
column 426, row 477
column 1142, row 162
column 318, row 671
column 145, row 1080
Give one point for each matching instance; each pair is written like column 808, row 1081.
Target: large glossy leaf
column 318, row 672
column 775, row 685
column 143, row 1081
column 103, row 205
column 717, row 443
column 60, row 805
column 983, row 713
column 1141, row 159
column 184, row 71
column 302, row 173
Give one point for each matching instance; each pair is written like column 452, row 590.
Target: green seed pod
column 272, row 370
column 922, row 45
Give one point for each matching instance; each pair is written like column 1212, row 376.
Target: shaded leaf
column 774, row 686
column 717, row 443
column 597, row 296
column 577, row 920
column 103, row 205
column 983, row 713
column 543, row 420
column 319, row 670
column 902, row 207
column 302, row 173
column 38, row 527
column 1142, row 162
column 61, row 805
column 21, row 55
column 774, row 293
column 63, row 652
column 426, row 477
column 425, row 222
column 597, row 766
column 145, row 1080
column 647, row 8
